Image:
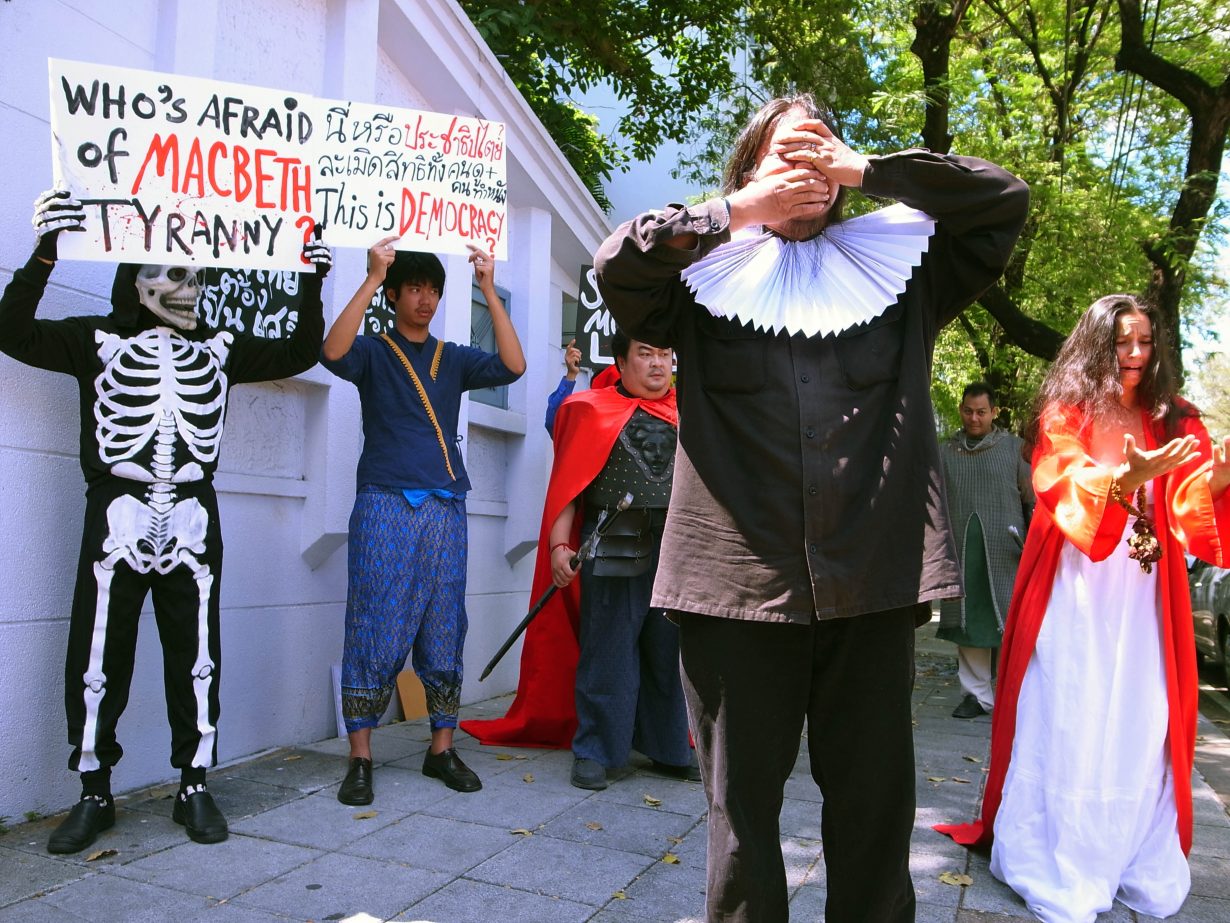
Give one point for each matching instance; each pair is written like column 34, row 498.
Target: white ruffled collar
column 851, row 273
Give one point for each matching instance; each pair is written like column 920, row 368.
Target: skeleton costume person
column 153, row 386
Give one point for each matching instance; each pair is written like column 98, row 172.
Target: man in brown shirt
column 808, row 523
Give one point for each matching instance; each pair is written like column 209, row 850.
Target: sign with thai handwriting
column 261, row 302
column 182, row 170
column 436, row 181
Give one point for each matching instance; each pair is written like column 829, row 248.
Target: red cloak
column 543, row 713
column 1074, row 505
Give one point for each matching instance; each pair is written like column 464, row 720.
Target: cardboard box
column 413, row 699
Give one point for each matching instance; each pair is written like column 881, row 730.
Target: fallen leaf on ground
column 292, row 757
column 593, row 825
column 956, row 878
column 528, row 777
column 619, row 896
column 972, row 759
column 670, row 859
column 366, row 815
column 521, row 831
column 509, row 756
column 652, row 801
column 962, row 781
column 102, row 854
column 935, row 778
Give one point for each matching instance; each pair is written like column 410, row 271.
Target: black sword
column 583, row 553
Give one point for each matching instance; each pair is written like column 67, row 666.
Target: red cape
column 543, row 713
column 1074, row 490
column 606, row 378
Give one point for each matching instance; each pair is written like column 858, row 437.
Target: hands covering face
column 798, row 177
column 811, row 143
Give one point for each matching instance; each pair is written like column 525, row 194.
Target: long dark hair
column 1085, row 374
column 741, row 164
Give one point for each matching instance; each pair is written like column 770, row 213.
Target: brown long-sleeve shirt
column 808, row 481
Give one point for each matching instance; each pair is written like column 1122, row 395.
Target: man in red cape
column 587, row 429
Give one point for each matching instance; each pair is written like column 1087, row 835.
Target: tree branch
column 1030, row 334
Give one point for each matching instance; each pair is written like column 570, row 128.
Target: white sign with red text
column 189, row 171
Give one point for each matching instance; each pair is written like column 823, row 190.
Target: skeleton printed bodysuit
column 153, row 393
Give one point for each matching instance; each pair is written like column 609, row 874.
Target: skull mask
column 170, row 293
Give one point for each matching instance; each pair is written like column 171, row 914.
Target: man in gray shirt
column 990, row 499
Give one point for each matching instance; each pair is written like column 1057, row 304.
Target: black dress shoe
column 196, row 811
column 970, row 707
column 688, row 773
column 356, row 788
column 89, row 817
column 449, row 767
column 588, row 774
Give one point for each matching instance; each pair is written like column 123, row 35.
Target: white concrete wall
column 284, row 579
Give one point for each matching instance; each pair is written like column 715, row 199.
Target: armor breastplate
column 642, row 462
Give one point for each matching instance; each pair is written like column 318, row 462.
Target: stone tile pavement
column 528, row 848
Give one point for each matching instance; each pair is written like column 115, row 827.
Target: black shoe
column 688, row 773
column 588, row 774
column 356, row 788
column 89, row 817
column 970, row 707
column 196, row 811
column 449, row 767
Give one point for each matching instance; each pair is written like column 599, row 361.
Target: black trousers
column 749, row 686
column 628, row 693
column 180, row 565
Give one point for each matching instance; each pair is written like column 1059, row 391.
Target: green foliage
column 665, row 61
column 1212, row 379
column 1032, row 86
column 1104, row 156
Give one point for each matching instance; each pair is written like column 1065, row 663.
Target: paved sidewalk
column 528, row 848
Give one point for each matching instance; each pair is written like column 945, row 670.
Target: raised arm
column 52, row 345
column 346, row 326
column 507, row 345
column 980, row 208
column 267, row 359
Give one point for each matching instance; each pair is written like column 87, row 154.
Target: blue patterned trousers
column 405, row 595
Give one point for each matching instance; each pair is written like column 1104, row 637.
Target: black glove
column 315, row 252
column 54, row 211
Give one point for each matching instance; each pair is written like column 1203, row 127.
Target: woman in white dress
column 1089, row 796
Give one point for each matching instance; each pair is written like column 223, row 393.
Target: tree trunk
column 1209, row 107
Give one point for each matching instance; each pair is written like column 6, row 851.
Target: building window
column 568, row 320
column 482, row 336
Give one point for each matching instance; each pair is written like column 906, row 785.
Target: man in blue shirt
column 407, row 543
column 572, row 366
